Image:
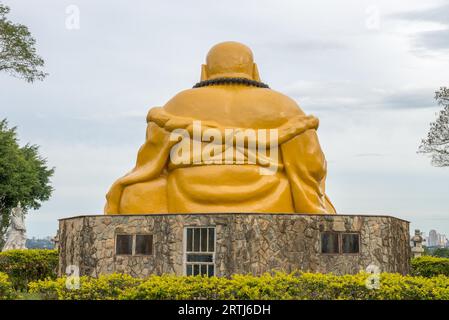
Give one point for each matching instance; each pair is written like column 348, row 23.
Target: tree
column 24, row 176
column 17, row 52
column 437, row 141
column 441, row 252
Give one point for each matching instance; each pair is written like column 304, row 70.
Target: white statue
column 15, row 235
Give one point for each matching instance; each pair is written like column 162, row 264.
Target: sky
column 367, row 69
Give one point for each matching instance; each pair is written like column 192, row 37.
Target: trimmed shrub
column 23, row 266
column 428, row 266
column 282, row 286
column 171, row 287
column 6, row 289
column 105, row 287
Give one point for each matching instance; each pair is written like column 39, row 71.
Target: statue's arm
column 151, row 160
column 305, row 166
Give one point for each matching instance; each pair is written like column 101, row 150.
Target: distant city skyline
column 435, row 239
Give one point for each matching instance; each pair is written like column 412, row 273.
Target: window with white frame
column 199, row 251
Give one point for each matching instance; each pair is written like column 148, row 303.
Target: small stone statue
column 417, row 242
column 16, row 233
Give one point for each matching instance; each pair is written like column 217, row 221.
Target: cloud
column 433, row 40
column 348, row 95
column 315, row 44
column 436, row 39
column 408, row 98
column 369, row 155
column 439, row 14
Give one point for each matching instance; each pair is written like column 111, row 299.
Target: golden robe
column 157, row 185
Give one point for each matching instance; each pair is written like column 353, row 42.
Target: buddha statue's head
column 229, row 60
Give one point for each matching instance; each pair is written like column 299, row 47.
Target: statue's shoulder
column 217, row 96
column 233, row 106
column 275, row 101
column 195, row 99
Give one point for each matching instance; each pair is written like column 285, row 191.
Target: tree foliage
column 24, row 176
column 441, row 252
column 24, row 266
column 429, row 266
column 17, row 50
column 437, row 141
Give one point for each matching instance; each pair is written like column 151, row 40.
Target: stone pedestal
column 244, row 243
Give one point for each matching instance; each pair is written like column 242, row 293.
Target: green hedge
column 428, row 266
column 23, row 266
column 6, row 289
column 247, row 287
column 105, row 287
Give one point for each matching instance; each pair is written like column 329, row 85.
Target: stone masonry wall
column 245, row 243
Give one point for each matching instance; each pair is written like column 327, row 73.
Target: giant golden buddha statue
column 229, row 144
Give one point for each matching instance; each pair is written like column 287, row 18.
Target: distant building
column 442, row 240
column 433, row 238
column 436, row 239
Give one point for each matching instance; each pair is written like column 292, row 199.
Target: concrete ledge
column 233, row 213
